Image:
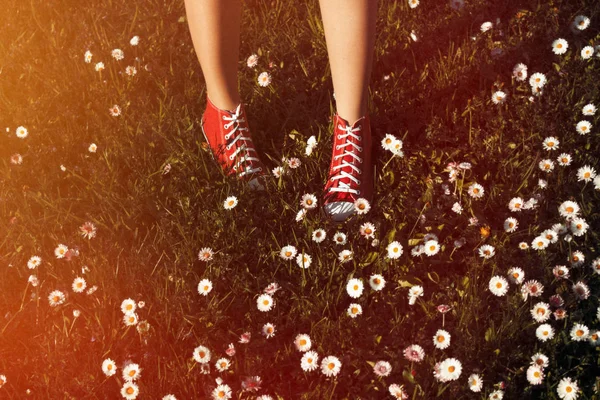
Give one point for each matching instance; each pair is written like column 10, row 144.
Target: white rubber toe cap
column 339, row 210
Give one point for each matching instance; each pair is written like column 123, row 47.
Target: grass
column 433, row 93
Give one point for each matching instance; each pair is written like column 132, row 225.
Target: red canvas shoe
column 351, row 169
column 228, row 136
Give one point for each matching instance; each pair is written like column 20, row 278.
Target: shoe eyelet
column 358, row 192
column 360, row 138
column 360, row 149
column 337, row 147
column 359, row 172
column 259, row 169
column 339, row 136
column 223, row 117
column 231, row 158
column 358, row 182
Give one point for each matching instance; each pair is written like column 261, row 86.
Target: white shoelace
column 344, row 187
column 236, row 119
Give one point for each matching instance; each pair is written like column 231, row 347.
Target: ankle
column 223, row 103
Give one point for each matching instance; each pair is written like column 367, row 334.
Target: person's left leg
column 350, row 35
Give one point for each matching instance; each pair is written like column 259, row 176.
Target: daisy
column 394, row 250
column 532, row 288
column 388, row 142
column 515, row 204
column 487, row 251
column 268, row 330
column 87, row 57
column 595, row 338
column 450, row 369
column 475, row 383
column 202, row 355
column 583, row 127
column 457, row 208
column 330, row 366
column 131, row 70
column 205, row 254
column 367, row 230
column 301, row 214
column 339, row 238
column 252, row 383
column 541, row 312
column 130, row 390
column 303, row 260
column 78, row 285
column 33, row 280
column 130, row 319
column 510, row 224
column 560, row 272
column 539, row 243
column 596, row 266
column 568, row 209
column 550, row 143
column 21, row 132
column 294, row 163
column 578, row 226
column 417, row 250
column 542, row 183
column 245, row 337
column 498, row 286
column 476, row 191
column 230, row 202
column 354, row 287
column 523, row 246
column 277, row 172
column 486, row 26
column 496, row 395
column 252, row 61
column 581, row 22
column 581, row 290
column 559, row 228
column 432, row 247
column 56, row 298
column 131, row 372
column 34, row 262
column 587, row 52
column 560, row 46
column 204, row 287
column 115, row 110
column 169, row 397
column 118, row 54
column 311, row 143
column 264, row 302
column 134, row 40
column 109, row 367
column 544, row 332
column 589, row 109
column 99, row 66
column 361, row 206
column 567, row 389
column 414, row 353
column 309, row 361
column 16, row 159
column 546, row 165
column 414, row 293
column 61, row 251
column 577, row 258
column 221, row 392
column 516, row 275
column 287, row 252
column 564, row 160
column 535, row 376
column 88, row 230
column 413, row 3
column 586, row 173
column 318, row 235
column 222, row 364
column 556, row 300
column 498, row 97
column 272, row 288
column 345, row 256
column 309, row 201
column 302, row 342
column 520, row 72
column 537, row 80
column 382, row 368
column 264, row 79
column 441, row 340
column 377, row 282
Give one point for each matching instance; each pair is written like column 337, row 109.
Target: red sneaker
column 351, row 169
column 228, row 136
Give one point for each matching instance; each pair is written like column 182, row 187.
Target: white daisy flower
column 264, row 79
column 583, row 127
column 560, row 46
column 520, row 72
column 450, row 369
column 308, row 201
column 540, row 360
column 202, row 354
column 586, row 173
column 441, row 340
column 277, row 172
column 542, row 183
column 339, row 238
column 354, row 310
column 60, row 251
column 537, row 80
column 568, row 209
column 397, row 391
column 264, row 302
column 109, row 367
column 128, row 306
column 486, row 26
column 578, row 226
column 541, row 312
column 475, row 383
column 476, row 191
column 550, row 143
column 354, row 287
column 330, row 366
column 564, row 159
column 130, row 70
column 252, row 61
column 131, row 372
column 516, row 275
column 567, row 389
column 230, row 202
column 388, row 142
column 300, row 215
column 377, row 282
column 511, row 224
column 546, row 165
column 577, row 258
column 205, row 254
column 394, row 250
column 87, row 57
column 134, row 41
column 544, row 332
column 589, row 109
column 498, row 286
column 414, row 293
column 587, row 52
column 130, row 391
column 204, row 287
column 309, row 361
column 523, row 246
column 222, row 364
column 99, row 66
column 287, row 252
column 515, row 204
column 550, row 234
column 432, row 247
column 221, row 392
column 540, row 243
column 303, row 260
column 535, row 376
column 498, row 97
column 486, row 251
column 361, row 206
column 318, row 235
column 302, row 342
column 367, row 230
column 413, row 3
column 581, row 22
column 345, row 256
column 581, row 290
column 268, row 330
column 382, row 368
column 117, row 54
column 130, row 319
column 597, row 182
column 34, row 262
column 78, row 285
column 457, row 208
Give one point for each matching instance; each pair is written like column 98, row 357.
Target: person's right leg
column 215, row 29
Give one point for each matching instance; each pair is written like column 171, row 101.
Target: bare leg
column 215, row 29
column 350, row 34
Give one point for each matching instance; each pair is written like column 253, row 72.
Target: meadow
column 475, row 273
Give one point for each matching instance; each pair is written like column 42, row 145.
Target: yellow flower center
column 56, row 299
column 331, row 365
column 206, row 288
column 451, row 368
column 536, row 374
column 288, row 253
column 132, row 372
column 302, row 342
column 475, row 190
column 499, row 285
column 431, row 248
column 309, row 202
column 586, row 174
column 266, row 302
column 129, row 390
column 579, row 332
column 568, row 389
column 376, row 281
column 355, row 287
column 309, row 360
column 440, row 338
column 202, row 354
column 109, row 367
column 354, row 310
